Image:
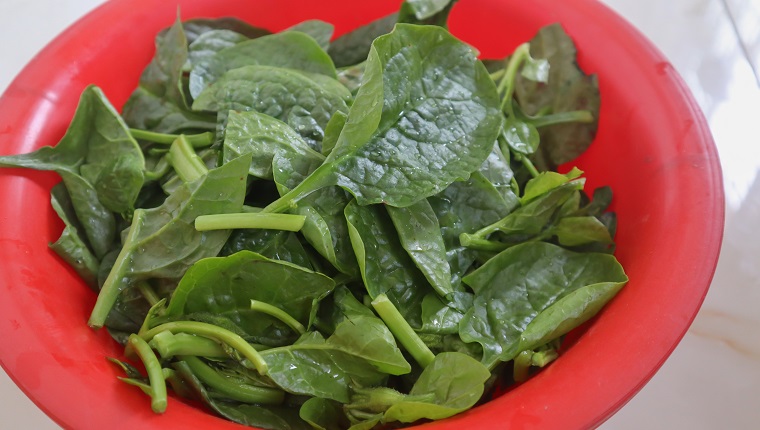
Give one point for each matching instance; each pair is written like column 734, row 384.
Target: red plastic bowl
column 653, row 148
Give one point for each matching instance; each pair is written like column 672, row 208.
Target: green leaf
column 385, row 265
column 453, row 391
column 361, row 351
column 420, row 235
column 97, row 147
column 275, row 244
column 545, row 182
column 515, row 286
column 71, row 245
column 568, row 89
column 225, row 286
column 522, row 137
column 574, row 231
column 497, row 171
column 290, row 50
column 323, row 414
column 100, row 225
column 319, row 30
column 305, row 101
column 462, row 207
column 208, row 44
column 266, row 138
column 352, row 48
column 163, row 242
column 332, row 131
column 415, row 126
column 159, row 102
column 568, row 313
column 424, row 9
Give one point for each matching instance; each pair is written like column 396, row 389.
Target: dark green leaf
column 71, row 245
column 305, row 101
column 225, row 286
column 568, row 89
column 290, row 50
column 514, row 287
column 323, row 414
column 385, row 266
column 456, row 381
column 415, row 126
column 275, row 244
column 319, row 30
column 420, row 235
column 210, row 43
column 353, row 47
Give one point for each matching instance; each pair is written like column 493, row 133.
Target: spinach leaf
column 162, row 242
column 452, row 391
column 265, row 138
column 208, row 44
column 225, row 286
column 415, row 126
column 521, row 282
column 332, row 131
column 426, row 12
column 159, row 103
column 275, row 244
column 290, row 50
column 323, row 414
column 462, row 207
column 196, row 27
column 361, row 351
column 319, row 30
column 96, row 147
column 303, row 100
column 353, row 47
column 71, row 245
column 497, row 171
column 420, row 235
column 386, row 267
column 568, row 89
column 325, row 227
column 100, row 225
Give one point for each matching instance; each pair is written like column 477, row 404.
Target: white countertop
column 712, row 380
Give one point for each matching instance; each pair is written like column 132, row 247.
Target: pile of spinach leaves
column 300, row 245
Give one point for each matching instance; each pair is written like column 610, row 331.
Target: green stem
column 316, row 180
column 527, row 163
column 507, row 83
column 267, row 221
column 147, row 291
column 115, row 282
column 155, row 373
column 522, row 366
column 236, row 391
column 168, row 345
column 582, row 116
column 177, row 383
column 542, row 358
column 161, row 169
column 216, row 333
column 196, row 140
column 259, row 306
column 472, row 241
column 188, row 165
column 402, row 330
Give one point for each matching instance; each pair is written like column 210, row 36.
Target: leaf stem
column 269, row 221
column 188, row 165
column 259, row 306
column 527, row 164
column 214, row 332
column 507, row 83
column 148, row 293
column 117, row 277
column 522, row 366
column 402, row 330
column 316, row 180
column 168, row 345
column 582, row 116
column 196, row 140
column 236, row 391
column 155, row 373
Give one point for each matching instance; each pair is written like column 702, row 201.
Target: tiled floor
column 713, row 378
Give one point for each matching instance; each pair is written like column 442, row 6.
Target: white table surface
column 712, row 380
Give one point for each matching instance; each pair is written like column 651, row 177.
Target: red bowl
column 653, row 148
